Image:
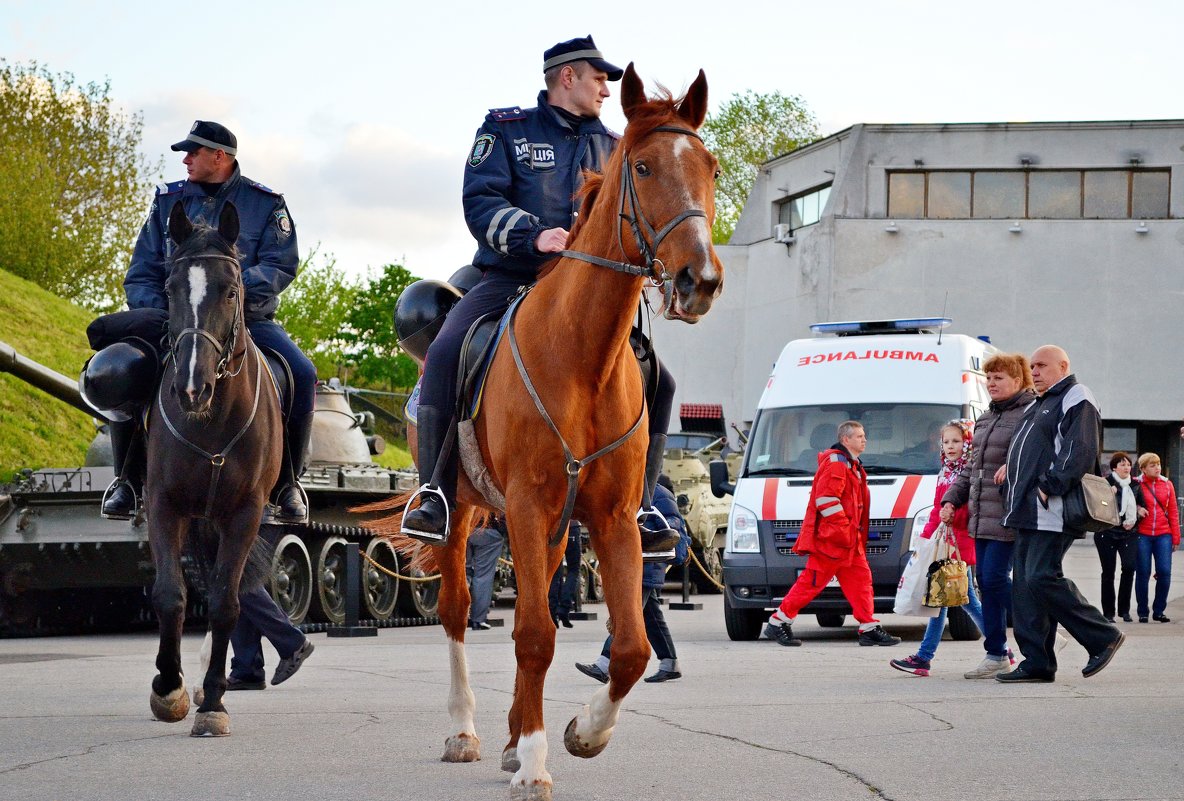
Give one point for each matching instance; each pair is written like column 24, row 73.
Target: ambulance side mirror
column 720, row 486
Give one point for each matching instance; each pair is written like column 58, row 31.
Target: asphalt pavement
column 366, row 719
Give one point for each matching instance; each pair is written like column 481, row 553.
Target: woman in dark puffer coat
column 1009, row 383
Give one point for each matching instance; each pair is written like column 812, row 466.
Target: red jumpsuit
column 834, row 533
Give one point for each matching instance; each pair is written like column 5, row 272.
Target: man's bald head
column 1050, row 364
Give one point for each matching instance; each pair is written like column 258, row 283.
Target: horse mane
column 204, row 239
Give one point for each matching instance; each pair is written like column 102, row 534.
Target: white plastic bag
column 910, row 592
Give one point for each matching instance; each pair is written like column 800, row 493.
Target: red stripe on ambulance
column 769, row 501
column 908, row 489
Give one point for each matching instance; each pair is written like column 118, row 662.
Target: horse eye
column 718, row 173
column 641, row 169
column 232, row 295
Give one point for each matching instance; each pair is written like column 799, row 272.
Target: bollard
column 353, row 597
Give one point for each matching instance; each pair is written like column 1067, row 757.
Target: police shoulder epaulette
column 838, row 457
column 169, row 188
column 507, row 114
column 262, row 188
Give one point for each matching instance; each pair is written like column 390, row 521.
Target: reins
column 223, row 349
column 648, row 240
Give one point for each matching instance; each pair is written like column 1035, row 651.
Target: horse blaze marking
column 197, row 293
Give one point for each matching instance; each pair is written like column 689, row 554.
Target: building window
column 804, row 209
column 1031, row 194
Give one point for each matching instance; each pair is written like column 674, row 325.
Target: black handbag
column 1091, row 505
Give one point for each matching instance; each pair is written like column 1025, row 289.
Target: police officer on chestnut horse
column 520, row 185
column 267, row 251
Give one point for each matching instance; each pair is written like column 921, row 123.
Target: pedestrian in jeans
column 1120, row 542
column 1009, row 383
column 483, row 549
column 1159, row 535
column 956, row 439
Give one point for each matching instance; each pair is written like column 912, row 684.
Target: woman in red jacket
column 1159, row 535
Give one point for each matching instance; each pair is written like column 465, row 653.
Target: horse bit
column 648, row 241
column 224, row 349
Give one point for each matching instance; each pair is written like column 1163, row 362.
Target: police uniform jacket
column 837, row 515
column 266, row 242
column 520, row 179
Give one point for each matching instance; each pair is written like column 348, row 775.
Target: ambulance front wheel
column 831, row 620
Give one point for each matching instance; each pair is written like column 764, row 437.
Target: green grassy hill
column 37, row 430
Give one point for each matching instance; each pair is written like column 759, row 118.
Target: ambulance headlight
column 920, row 520
column 743, row 534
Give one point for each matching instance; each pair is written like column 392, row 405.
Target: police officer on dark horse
column 520, row 185
column 267, row 249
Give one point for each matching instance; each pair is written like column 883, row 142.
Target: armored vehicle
column 63, row 567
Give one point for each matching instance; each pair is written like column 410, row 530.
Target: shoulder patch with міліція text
column 482, row 147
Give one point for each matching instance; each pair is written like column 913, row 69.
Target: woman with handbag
column 956, row 439
column 1159, row 535
column 1120, row 542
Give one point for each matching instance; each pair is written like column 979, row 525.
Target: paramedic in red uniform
column 833, row 537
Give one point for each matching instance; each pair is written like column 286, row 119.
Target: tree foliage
column 748, row 130
column 376, row 356
column 75, row 185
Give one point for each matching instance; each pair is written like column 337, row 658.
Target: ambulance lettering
column 880, row 355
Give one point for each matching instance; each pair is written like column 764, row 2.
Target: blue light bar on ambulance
column 909, row 325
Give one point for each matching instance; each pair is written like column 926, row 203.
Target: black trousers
column 656, row 630
column 1042, row 599
column 1111, row 549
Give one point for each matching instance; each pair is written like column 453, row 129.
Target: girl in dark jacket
column 1120, row 542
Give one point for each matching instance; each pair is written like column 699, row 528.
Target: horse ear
column 179, row 226
column 632, row 91
column 228, row 223
column 693, row 107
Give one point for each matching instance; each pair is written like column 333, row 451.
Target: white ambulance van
column 902, row 379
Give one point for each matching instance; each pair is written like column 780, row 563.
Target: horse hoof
column 211, row 724
column 199, row 695
column 462, row 748
column 172, row 707
column 530, row 792
column 510, row 763
column 576, row 746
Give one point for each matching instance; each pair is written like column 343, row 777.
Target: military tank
column 702, row 439
column 64, row 567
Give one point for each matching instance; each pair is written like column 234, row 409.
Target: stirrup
column 271, row 511
column 430, row 537
column 664, row 555
column 107, row 494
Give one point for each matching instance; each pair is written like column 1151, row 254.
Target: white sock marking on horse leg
column 461, row 701
column 207, row 648
column 197, row 293
column 532, row 756
column 596, row 721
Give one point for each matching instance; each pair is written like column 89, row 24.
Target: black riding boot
column 657, row 538
column 428, row 522
column 127, row 452
column 289, row 497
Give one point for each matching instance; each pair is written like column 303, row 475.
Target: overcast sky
column 362, row 113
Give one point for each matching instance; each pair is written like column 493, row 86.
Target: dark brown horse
column 649, row 216
column 213, row 455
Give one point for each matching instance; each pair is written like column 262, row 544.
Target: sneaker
column 663, row 675
column 877, row 636
column 989, row 668
column 913, row 664
column 482, row 626
column 287, row 667
column 1161, row 618
column 592, row 670
column 781, row 634
column 238, row 684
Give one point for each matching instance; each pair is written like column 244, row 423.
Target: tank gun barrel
column 42, row 377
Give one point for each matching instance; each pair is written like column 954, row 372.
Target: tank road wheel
column 713, row 561
column 381, row 590
column 419, row 597
column 328, row 601
column 291, row 577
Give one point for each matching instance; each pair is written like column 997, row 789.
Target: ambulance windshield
column 901, row 437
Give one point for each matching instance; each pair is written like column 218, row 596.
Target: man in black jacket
column 1056, row 443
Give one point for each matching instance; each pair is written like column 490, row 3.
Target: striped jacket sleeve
column 490, row 213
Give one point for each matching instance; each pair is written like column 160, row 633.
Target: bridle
column 224, row 348
column 647, row 237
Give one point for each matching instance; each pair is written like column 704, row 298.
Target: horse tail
column 389, row 526
column 202, row 550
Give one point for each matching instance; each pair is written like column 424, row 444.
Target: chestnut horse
column 653, row 208
column 213, row 455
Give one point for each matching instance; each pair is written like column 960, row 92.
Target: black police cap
column 583, row 49
column 208, row 134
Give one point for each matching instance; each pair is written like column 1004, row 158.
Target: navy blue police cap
column 583, row 49
column 208, row 134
